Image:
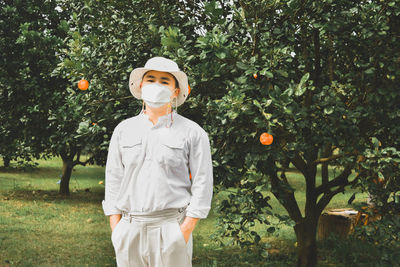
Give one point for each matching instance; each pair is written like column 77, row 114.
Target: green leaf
column 375, row 142
column 221, row 54
column 256, row 103
column 267, row 116
column 242, row 66
column 283, row 73
column 267, row 73
column 300, row 89
column 268, row 102
column 328, row 110
column 370, row 70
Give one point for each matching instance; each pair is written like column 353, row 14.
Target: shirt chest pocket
column 171, row 153
column 131, row 150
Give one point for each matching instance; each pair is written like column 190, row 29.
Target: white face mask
column 156, row 95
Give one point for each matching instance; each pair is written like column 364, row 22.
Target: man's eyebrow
column 162, row 78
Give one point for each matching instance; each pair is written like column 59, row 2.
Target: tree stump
column 341, row 222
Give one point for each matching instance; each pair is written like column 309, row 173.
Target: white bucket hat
column 164, row 65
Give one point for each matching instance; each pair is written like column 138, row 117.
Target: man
column 152, row 202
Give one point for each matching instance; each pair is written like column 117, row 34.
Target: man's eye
column 150, row 80
column 165, row 82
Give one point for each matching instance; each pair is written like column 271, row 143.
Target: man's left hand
column 188, row 226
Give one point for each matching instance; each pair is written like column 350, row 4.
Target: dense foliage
column 31, row 34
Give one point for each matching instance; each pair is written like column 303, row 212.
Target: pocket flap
column 173, row 143
column 131, row 142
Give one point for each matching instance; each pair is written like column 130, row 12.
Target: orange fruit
column 378, row 180
column 360, row 158
column 255, row 75
column 189, row 89
column 266, row 139
column 83, row 84
column 190, row 176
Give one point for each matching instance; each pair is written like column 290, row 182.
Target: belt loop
column 180, row 210
column 127, row 215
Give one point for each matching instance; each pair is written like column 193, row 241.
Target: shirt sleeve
column 200, row 165
column 114, row 174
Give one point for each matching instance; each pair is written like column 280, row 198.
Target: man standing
column 158, row 173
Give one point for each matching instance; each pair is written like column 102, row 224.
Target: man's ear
column 141, row 83
column 177, row 91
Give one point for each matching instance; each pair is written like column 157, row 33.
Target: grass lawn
column 40, row 228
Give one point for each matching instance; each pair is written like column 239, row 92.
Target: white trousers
column 152, row 240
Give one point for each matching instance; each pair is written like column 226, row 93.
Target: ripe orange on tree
column 83, row 84
column 266, row 139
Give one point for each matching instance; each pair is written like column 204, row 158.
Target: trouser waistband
column 154, row 216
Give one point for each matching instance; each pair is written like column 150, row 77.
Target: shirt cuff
column 197, row 213
column 109, row 208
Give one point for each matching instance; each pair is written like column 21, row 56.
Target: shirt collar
column 165, row 120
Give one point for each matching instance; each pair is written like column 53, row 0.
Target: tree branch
column 78, row 162
column 334, row 157
column 326, row 198
column 324, row 169
column 317, row 60
column 158, row 6
column 285, row 196
column 78, row 155
column 300, row 164
column 325, row 160
column 338, row 181
column 330, row 58
column 285, row 165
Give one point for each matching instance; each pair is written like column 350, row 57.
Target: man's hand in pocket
column 188, row 226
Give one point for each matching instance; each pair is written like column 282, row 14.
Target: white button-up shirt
column 148, row 167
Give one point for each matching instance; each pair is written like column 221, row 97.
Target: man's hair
column 176, row 81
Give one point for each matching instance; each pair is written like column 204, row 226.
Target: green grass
column 40, row 228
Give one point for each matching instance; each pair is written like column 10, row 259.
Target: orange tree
column 31, row 33
column 326, row 88
column 42, row 113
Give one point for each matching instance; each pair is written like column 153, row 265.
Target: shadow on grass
column 16, row 169
column 358, row 253
column 233, row 256
column 88, row 195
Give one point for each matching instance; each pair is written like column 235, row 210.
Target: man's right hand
column 114, row 219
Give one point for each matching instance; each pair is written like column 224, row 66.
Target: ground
column 41, row 228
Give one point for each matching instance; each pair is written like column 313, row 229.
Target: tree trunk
column 324, row 168
column 324, row 173
column 306, row 232
column 66, row 175
column 6, row 161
